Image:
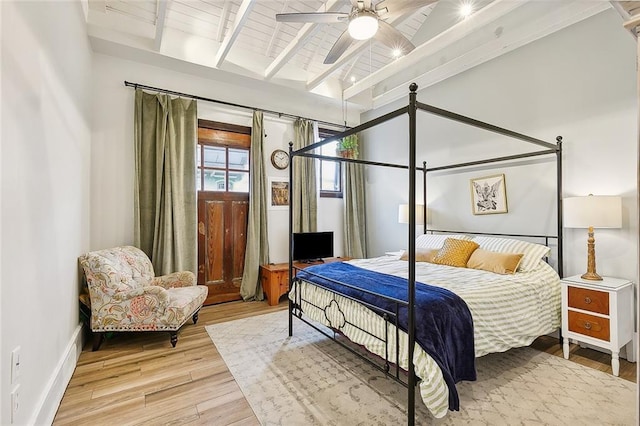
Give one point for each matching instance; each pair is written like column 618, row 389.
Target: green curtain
column 165, row 132
column 355, row 226
column 257, row 250
column 305, row 202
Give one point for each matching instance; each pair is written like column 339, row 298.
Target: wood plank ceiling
column 243, row 37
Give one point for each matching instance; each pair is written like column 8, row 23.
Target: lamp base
column 591, row 276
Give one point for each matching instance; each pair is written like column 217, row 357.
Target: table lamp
column 403, row 213
column 592, row 211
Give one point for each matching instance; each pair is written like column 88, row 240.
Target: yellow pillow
column 422, row 254
column 500, row 263
column 455, row 252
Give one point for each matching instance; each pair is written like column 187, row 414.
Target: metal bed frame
column 295, row 306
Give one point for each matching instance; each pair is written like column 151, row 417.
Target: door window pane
column 215, row 157
column 215, row 180
column 214, row 173
column 238, row 159
column 239, row 181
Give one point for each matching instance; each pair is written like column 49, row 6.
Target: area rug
column 307, row 379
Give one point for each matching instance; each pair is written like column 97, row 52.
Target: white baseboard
column 50, row 401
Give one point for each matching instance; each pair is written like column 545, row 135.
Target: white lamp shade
column 598, row 211
column 403, row 213
column 363, row 26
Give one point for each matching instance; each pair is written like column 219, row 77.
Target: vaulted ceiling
column 243, row 37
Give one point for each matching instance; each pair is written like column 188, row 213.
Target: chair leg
column 174, row 338
column 98, row 338
column 195, row 316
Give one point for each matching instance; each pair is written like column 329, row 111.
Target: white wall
column 112, row 170
column 46, row 66
column 579, row 83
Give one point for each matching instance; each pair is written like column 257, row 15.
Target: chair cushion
column 117, row 269
column 183, row 303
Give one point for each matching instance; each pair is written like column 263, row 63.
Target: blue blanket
column 444, row 327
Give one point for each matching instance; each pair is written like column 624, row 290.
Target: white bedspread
column 508, row 311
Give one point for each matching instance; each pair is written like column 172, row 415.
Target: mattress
column 508, row 311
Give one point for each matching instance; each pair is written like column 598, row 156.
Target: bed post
column 424, row 197
column 559, row 205
column 291, row 162
column 411, row 385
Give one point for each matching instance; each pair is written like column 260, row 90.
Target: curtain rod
column 201, row 98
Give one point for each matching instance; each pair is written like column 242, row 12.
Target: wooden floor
column 138, row 378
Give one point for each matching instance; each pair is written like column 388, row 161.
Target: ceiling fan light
column 363, row 26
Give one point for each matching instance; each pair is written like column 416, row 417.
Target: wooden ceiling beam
column 223, row 20
column 160, row 20
column 241, row 17
column 297, row 42
column 484, row 16
column 563, row 17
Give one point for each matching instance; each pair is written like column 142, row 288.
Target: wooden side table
column 275, row 277
column 599, row 313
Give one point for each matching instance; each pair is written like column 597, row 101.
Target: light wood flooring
column 138, row 378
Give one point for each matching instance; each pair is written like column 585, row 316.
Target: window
column 221, row 168
column 330, row 171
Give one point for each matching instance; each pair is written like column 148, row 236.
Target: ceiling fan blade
column 339, row 47
column 315, row 18
column 366, row 4
column 393, row 38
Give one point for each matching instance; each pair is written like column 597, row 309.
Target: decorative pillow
column 500, row 263
column 422, row 254
column 533, row 253
column 436, row 241
column 455, row 252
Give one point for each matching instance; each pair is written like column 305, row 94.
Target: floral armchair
column 126, row 295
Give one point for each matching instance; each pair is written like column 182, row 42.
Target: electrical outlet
column 15, row 402
column 15, row 365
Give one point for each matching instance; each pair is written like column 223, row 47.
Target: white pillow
column 532, row 252
column 436, row 241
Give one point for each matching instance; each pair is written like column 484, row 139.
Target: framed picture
column 489, row 195
column 278, row 193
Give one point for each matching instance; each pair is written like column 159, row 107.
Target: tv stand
column 275, row 277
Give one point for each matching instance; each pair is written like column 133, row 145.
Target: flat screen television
column 311, row 246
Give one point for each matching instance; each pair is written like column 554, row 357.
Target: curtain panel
column 257, row 249
column 165, row 222
column 305, row 201
column 355, row 226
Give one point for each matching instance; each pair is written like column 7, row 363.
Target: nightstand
column 599, row 313
column 275, row 277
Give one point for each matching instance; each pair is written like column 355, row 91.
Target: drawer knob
column 587, row 325
column 587, row 300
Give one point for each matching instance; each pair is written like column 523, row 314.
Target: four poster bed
column 424, row 304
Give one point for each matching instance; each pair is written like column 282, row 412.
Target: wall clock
column 280, row 159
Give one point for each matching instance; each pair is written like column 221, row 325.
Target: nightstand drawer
column 589, row 300
column 589, row 325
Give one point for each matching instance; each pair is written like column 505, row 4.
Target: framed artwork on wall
column 489, row 195
column 278, row 193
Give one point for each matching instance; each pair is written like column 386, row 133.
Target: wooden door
column 223, row 206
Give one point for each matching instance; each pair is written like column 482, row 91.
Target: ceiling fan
column 366, row 20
